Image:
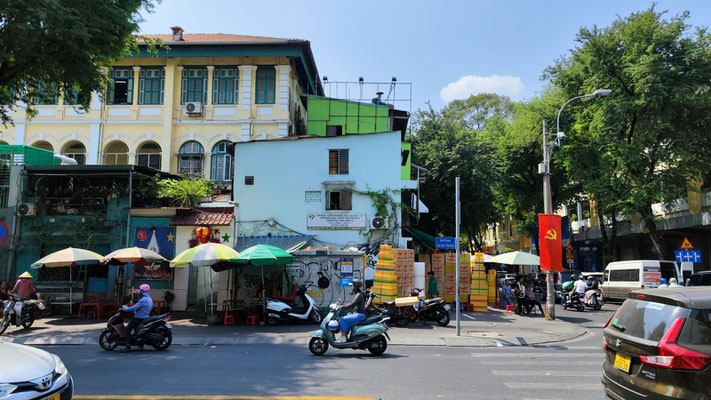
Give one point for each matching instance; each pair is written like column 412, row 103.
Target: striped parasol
column 68, row 257
column 205, row 255
column 135, row 255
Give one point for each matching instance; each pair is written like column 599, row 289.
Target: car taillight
column 673, row 356
column 641, row 297
column 605, row 345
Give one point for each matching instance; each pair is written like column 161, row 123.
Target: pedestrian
column 3, row 292
column 520, row 290
column 663, row 283
column 23, row 286
column 432, row 286
column 507, row 297
column 673, row 283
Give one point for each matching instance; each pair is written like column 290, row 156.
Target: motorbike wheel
column 399, row 320
column 565, row 306
column 378, row 345
column 443, row 318
column 108, row 340
column 4, row 324
column 28, row 318
column 318, row 346
column 271, row 320
column 165, row 343
column 581, row 307
column 315, row 317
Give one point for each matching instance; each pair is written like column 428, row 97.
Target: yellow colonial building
column 177, row 109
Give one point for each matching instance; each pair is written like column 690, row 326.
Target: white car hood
column 23, row 363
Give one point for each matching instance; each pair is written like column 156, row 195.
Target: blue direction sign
column 688, row 256
column 446, row 243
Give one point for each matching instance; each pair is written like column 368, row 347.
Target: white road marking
column 538, row 355
column 540, row 362
column 552, row 386
column 545, row 373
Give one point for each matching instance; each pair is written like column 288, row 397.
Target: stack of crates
column 450, row 276
column 437, row 266
column 478, row 294
column 404, row 261
column 465, row 277
column 385, row 281
column 491, row 281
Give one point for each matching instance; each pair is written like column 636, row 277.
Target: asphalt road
column 560, row 371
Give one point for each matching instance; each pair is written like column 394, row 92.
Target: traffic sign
column 686, row 244
column 446, row 243
column 688, row 256
column 4, row 233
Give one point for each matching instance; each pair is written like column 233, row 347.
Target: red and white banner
column 551, row 242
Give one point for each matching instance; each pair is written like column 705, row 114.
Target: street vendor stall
column 263, row 255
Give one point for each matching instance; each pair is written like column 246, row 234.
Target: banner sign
column 336, row 221
column 346, row 267
column 446, row 243
column 162, row 241
column 551, row 242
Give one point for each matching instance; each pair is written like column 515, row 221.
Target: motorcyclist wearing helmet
column 673, row 283
column 356, row 315
column 663, row 283
column 141, row 311
column 580, row 286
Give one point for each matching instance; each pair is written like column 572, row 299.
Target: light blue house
column 342, row 191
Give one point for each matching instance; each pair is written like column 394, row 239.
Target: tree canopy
column 649, row 140
column 64, row 43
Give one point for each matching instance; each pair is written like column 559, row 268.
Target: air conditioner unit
column 379, row 223
column 193, row 108
column 27, row 209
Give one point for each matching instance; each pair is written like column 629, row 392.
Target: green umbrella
column 261, row 255
column 516, row 258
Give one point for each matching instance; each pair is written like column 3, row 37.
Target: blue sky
column 447, row 49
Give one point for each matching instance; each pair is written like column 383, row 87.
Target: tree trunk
column 608, row 241
column 655, row 236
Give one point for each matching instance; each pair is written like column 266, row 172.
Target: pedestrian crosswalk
column 541, row 372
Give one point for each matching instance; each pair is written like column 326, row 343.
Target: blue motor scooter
column 369, row 334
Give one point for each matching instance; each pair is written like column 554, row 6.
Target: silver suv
column 30, row 373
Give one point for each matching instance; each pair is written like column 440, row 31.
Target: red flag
column 550, row 242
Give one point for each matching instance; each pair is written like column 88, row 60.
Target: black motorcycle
column 28, row 310
column 399, row 316
column 153, row 331
column 433, row 310
column 576, row 302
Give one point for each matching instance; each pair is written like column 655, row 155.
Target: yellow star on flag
column 170, row 237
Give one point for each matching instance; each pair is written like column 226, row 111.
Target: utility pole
column 456, row 245
column 548, row 209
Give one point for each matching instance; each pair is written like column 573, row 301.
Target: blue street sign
column 688, row 256
column 344, row 282
column 446, row 243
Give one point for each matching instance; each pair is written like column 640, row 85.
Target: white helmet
column 332, row 325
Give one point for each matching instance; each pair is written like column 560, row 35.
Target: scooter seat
column 389, row 302
column 370, row 320
column 435, row 300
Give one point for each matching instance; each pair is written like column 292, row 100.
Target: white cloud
column 471, row 84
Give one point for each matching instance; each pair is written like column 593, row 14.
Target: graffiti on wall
column 321, row 276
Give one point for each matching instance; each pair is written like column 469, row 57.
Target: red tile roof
column 218, row 38
column 204, row 216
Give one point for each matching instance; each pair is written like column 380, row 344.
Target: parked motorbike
column 431, row 310
column 369, row 334
column 595, row 301
column 400, row 316
column 27, row 309
column 575, row 301
column 302, row 309
column 154, row 331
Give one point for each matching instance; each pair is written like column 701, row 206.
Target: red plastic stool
column 91, row 315
column 470, row 307
column 252, row 319
column 510, row 307
column 229, row 319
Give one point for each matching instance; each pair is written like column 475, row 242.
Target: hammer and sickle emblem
column 551, row 234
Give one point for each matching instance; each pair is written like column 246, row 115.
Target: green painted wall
column 405, row 174
column 353, row 117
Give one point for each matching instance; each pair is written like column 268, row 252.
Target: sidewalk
column 492, row 329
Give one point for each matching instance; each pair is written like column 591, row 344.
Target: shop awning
column 424, row 239
column 289, row 243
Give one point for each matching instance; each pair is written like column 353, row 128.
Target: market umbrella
column 205, row 255
column 134, row 255
column 261, row 255
column 516, row 258
column 68, row 257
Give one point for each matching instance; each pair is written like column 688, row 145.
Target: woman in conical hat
column 23, row 286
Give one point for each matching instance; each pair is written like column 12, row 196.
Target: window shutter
column 346, row 200
column 343, row 161
column 328, row 200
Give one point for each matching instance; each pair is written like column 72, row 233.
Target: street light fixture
column 544, row 168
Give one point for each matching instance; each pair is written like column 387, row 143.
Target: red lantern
column 203, row 233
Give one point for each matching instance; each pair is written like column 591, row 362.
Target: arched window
column 221, row 163
column 42, row 144
column 190, row 158
column 116, row 154
column 149, row 155
column 75, row 150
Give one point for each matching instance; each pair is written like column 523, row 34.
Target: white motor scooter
column 302, row 309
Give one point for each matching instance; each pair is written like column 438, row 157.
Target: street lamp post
column 545, row 169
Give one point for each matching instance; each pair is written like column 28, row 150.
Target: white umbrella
column 516, row 258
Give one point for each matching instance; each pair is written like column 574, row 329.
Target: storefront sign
column 336, row 221
column 162, row 241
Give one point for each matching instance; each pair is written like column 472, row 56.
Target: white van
column 621, row 277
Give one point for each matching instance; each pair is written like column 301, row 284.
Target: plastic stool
column 510, row 307
column 252, row 319
column 229, row 319
column 91, row 315
column 470, row 307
